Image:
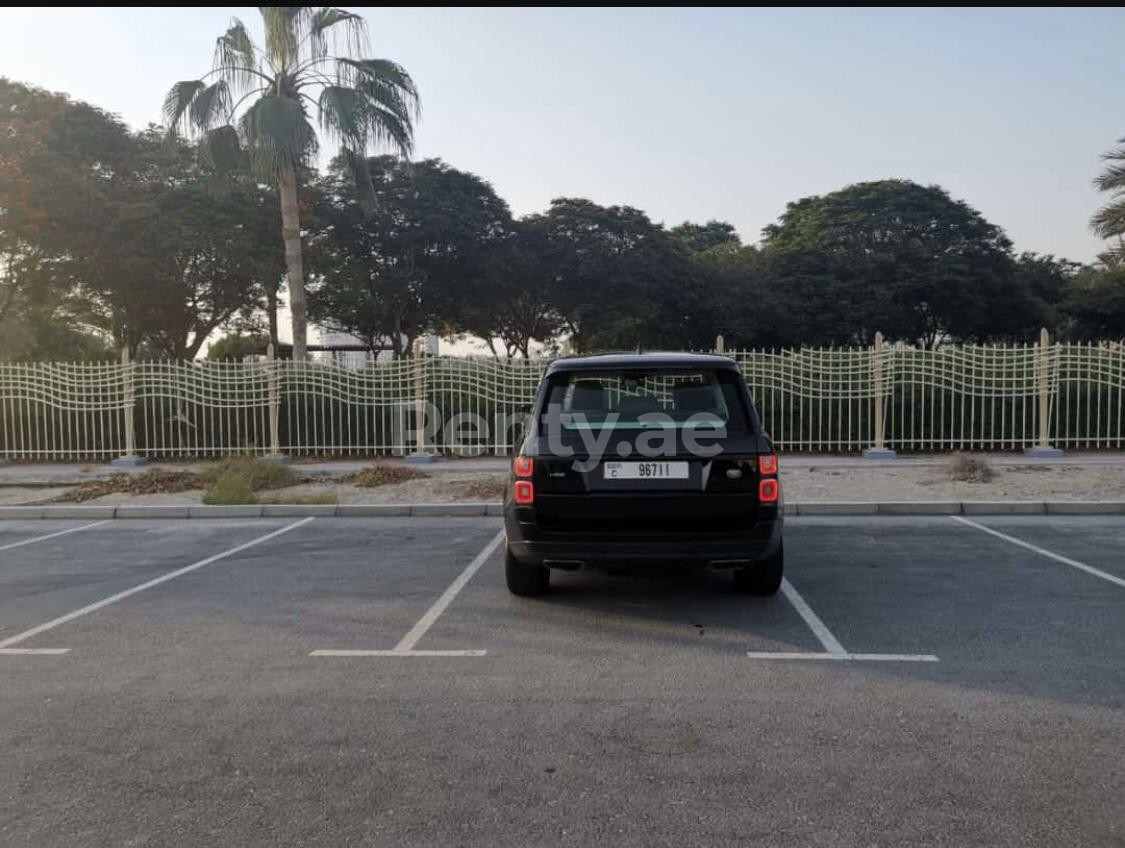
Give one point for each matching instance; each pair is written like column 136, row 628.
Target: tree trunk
column 271, row 310
column 291, row 234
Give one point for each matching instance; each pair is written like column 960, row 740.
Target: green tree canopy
column 905, row 259
column 621, row 281
column 387, row 272
column 700, row 237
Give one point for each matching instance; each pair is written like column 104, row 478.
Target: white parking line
column 405, row 646
column 1073, row 563
column 831, row 643
column 805, row 655
column 8, row 547
column 833, row 650
column 34, row 652
column 120, row 596
column 397, row 653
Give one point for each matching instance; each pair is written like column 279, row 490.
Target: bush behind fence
column 971, row 397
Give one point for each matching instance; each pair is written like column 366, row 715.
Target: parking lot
column 329, row 681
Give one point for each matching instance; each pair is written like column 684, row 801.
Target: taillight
column 524, row 492
column 523, row 466
column 768, row 490
column 767, row 463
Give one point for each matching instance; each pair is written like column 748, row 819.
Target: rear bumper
column 726, row 549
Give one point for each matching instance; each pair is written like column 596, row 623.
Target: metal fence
column 973, row 397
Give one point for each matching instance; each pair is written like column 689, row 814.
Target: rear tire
column 525, row 579
column 763, row 578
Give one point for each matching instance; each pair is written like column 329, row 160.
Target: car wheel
column 525, row 578
column 763, row 578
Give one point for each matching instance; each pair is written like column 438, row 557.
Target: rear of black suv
column 644, row 459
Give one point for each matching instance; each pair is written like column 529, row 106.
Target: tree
column 621, row 281
column 901, row 258
column 512, row 299
column 1096, row 300
column 236, row 347
column 389, row 272
column 60, row 163
column 700, row 237
column 259, row 102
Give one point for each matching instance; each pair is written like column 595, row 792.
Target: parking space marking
column 405, row 646
column 831, row 643
column 20, row 544
column 833, row 650
column 48, row 652
column 806, row 655
column 120, row 596
column 1073, row 563
column 397, row 653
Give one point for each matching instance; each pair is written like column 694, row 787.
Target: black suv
column 633, row 459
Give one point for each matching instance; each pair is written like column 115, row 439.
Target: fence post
column 879, row 449
column 720, row 344
column 274, row 398
column 130, row 458
column 1043, row 449
column 419, row 457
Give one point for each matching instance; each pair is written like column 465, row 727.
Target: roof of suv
column 642, row 360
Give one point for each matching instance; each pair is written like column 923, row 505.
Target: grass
column 259, row 474
column 230, row 488
column 964, row 468
column 383, row 475
column 237, row 480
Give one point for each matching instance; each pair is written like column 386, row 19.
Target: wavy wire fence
column 987, row 397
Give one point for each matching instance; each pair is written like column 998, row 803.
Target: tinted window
column 633, row 399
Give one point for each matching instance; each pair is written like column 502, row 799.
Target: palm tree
column 1109, row 221
column 254, row 106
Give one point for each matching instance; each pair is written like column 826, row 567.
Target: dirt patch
column 156, row 481
column 486, row 489
column 1017, row 482
column 383, row 475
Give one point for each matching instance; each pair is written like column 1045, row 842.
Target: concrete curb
column 454, row 510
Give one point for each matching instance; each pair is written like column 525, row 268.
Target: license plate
column 646, row 470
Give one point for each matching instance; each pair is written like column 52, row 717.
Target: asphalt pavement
column 330, row 681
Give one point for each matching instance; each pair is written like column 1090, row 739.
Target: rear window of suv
column 638, row 399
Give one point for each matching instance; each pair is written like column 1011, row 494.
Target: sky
column 693, row 114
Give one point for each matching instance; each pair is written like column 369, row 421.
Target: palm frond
column 322, row 31
column 384, row 72
column 211, row 106
column 342, row 113
column 1113, row 177
column 235, row 60
column 384, row 127
column 178, row 101
column 283, row 26
column 276, row 133
column 1109, row 221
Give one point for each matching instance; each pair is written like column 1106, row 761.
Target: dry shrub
column 228, row 488
column 964, row 468
column 259, row 474
column 155, row 481
column 383, row 475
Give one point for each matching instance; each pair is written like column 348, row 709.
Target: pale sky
column 693, row 113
